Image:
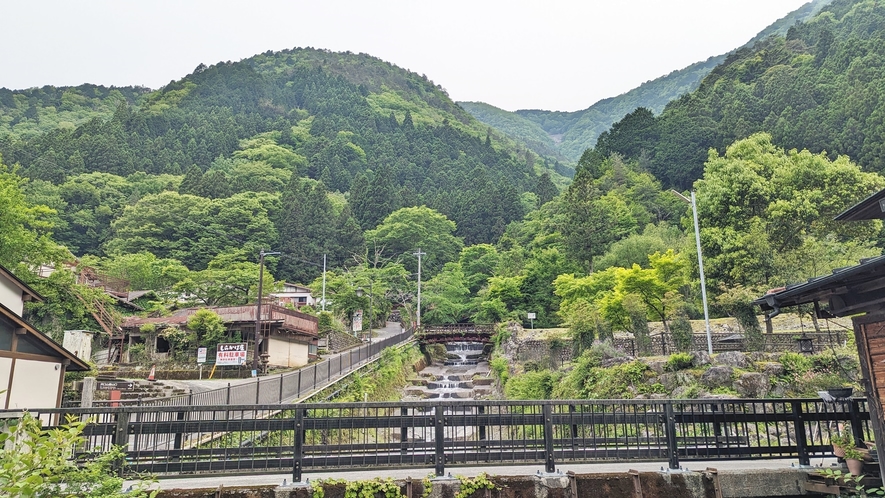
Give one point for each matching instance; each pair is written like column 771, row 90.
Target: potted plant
column 854, row 458
column 841, row 442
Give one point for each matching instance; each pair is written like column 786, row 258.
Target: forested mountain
column 39, row 110
column 290, row 125
column 574, row 132
column 819, row 87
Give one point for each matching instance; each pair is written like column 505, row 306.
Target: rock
column 682, row 392
column 700, row 358
column 718, row 377
column 758, row 356
column 752, row 385
column 672, row 380
column 779, row 390
column 773, row 369
column 657, row 366
column 732, row 359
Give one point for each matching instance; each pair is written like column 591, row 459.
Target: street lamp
column 258, row 335
column 697, row 238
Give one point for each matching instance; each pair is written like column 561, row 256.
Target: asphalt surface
column 212, row 481
column 198, row 386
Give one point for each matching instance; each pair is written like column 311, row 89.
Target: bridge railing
column 339, row 436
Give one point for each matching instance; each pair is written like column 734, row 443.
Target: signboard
column 201, row 355
column 532, row 316
column 231, row 354
column 115, row 385
column 358, row 321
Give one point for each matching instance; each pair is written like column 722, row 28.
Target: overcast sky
column 559, row 55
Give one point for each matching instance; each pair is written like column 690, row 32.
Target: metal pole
column 324, row 282
column 257, row 356
column 419, row 254
column 371, row 306
column 697, row 237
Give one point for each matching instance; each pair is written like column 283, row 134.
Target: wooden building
column 32, row 365
column 858, row 292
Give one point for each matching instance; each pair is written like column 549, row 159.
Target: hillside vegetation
column 576, row 131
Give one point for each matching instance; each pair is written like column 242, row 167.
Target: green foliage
column 681, row 332
column 795, row 364
column 209, row 327
column 766, row 214
column 854, row 485
column 406, row 230
column 531, row 385
column 358, row 489
column 501, row 369
column 589, row 381
column 470, row 485
column 37, row 463
column 678, row 361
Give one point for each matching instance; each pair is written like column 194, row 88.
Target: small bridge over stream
column 456, row 332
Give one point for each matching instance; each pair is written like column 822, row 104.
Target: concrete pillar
column 88, row 394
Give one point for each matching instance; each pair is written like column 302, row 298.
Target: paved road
column 198, row 386
column 213, row 481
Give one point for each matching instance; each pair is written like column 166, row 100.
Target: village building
column 288, row 338
column 32, row 365
column 858, row 292
column 294, row 295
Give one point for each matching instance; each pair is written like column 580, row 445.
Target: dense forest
column 576, row 131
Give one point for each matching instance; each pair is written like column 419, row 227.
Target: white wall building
column 296, row 295
column 32, row 366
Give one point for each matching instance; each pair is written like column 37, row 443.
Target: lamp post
column 419, row 254
column 258, row 335
column 697, row 238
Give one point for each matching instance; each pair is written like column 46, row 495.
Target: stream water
column 464, row 374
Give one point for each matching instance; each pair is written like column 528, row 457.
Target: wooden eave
column 26, row 289
column 75, row 365
column 871, row 208
column 847, row 291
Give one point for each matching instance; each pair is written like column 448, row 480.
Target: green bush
column 678, row 361
column 795, row 364
column 36, row 463
column 501, row 369
column 532, row 385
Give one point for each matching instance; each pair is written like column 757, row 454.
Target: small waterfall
column 454, row 377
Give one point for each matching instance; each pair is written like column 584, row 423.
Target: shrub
column 36, row 463
column 678, row 361
column 532, row 385
column 500, row 367
column 680, row 330
column 795, row 364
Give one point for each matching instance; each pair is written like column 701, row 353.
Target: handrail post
column 299, row 383
column 298, row 444
column 574, row 427
column 403, row 430
column 281, row 388
column 549, row 463
column 228, row 394
column 439, row 459
column 670, row 429
column 121, row 436
column 856, row 428
column 801, row 439
column 257, row 389
column 481, row 410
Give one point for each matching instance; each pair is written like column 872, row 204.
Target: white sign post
column 532, row 317
column 201, row 358
column 357, row 321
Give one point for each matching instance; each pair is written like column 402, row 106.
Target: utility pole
column 697, row 237
column 419, row 254
column 258, row 335
column 324, row 282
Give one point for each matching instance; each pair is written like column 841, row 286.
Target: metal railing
column 339, row 436
column 282, row 388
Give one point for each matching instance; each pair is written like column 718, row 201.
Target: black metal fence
column 283, row 388
column 339, row 436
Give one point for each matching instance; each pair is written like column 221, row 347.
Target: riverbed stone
column 672, row 380
column 773, row 369
column 752, row 385
column 733, row 359
column 700, row 358
column 656, row 366
column 719, row 376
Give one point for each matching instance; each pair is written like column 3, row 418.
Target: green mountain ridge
column 574, row 132
column 816, row 88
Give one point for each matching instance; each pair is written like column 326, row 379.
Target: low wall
column 731, row 484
